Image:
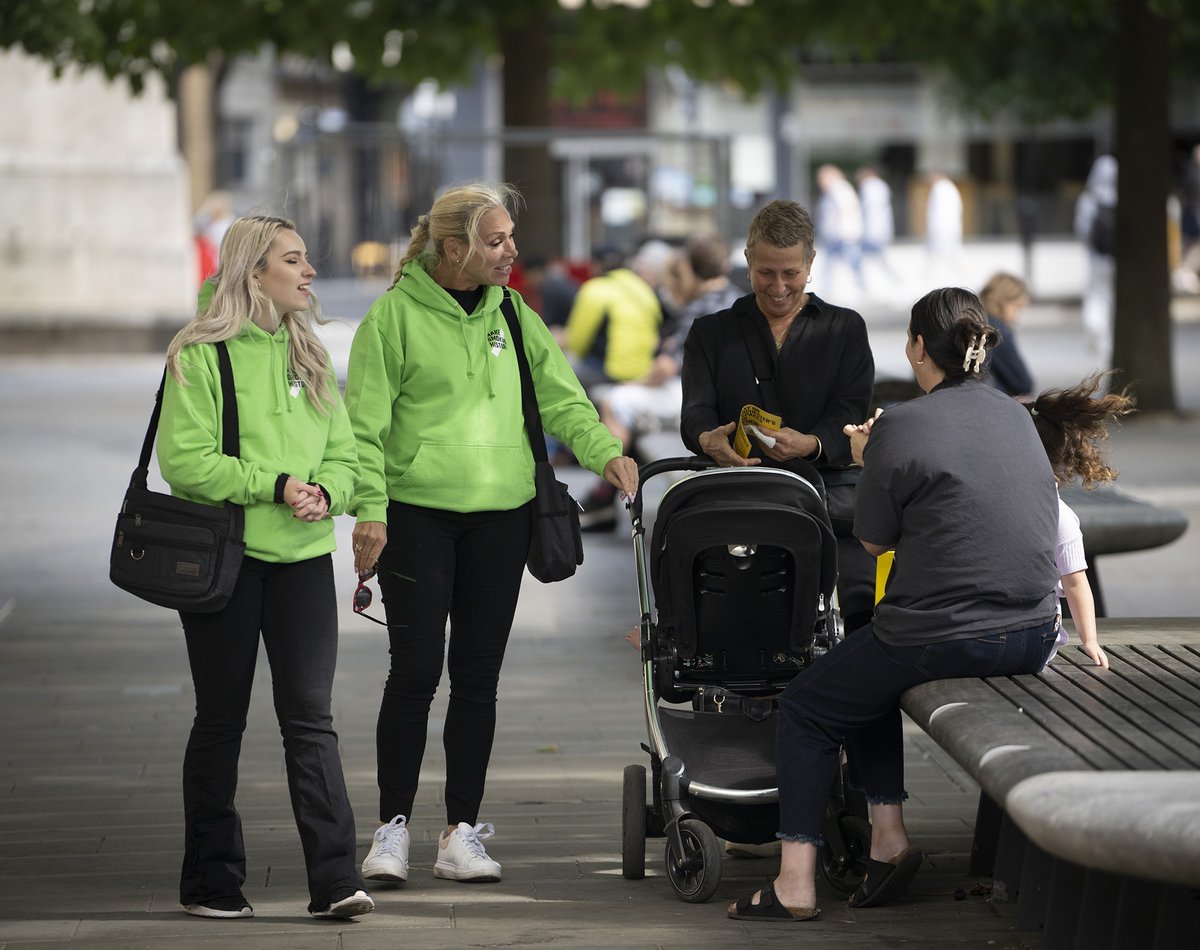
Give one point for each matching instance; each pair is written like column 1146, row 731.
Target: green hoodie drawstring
column 481, row 315
column 279, row 352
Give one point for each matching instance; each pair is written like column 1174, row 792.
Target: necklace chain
column 781, row 335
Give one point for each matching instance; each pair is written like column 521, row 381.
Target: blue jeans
column 293, row 606
column 852, row 695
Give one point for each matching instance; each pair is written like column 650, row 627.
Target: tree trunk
column 527, row 50
column 1142, row 339
column 195, row 103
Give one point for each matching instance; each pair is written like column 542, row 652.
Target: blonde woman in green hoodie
column 443, row 506
column 296, row 466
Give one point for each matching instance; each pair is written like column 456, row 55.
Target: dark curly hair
column 1073, row 422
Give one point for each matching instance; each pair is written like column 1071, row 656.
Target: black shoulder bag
column 173, row 552
column 556, row 545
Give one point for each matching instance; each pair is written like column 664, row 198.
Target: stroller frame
column 685, row 808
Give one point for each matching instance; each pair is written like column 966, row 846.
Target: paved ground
column 96, row 699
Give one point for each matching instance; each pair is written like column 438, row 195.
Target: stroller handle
column 690, row 463
column 698, row 463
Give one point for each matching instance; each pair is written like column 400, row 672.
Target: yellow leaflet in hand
column 753, row 416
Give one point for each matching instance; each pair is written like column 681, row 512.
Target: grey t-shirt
column 958, row 483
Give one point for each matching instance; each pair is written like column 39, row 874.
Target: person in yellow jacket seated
column 615, row 324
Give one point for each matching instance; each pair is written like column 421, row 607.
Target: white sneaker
column 388, row 858
column 355, row 905
column 461, row 856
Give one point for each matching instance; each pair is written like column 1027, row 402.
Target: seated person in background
column 787, row 351
column 1005, row 296
column 699, row 280
column 615, row 324
column 551, row 292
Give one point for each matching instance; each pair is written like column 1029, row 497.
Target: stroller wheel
column 633, row 824
column 696, row 873
column 844, row 863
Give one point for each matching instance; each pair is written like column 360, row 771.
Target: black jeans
column 468, row 568
column 293, row 605
column 853, row 693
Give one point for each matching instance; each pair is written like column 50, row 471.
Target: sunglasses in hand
column 363, row 595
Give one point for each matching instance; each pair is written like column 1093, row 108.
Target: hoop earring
column 809, row 280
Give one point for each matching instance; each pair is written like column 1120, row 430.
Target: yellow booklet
column 756, row 419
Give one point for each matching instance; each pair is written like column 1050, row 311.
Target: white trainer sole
column 383, row 873
column 448, row 872
column 353, row 906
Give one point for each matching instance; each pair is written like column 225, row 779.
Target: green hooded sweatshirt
column 434, row 396
column 280, row 432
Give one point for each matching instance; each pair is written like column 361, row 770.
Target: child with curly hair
column 1071, row 424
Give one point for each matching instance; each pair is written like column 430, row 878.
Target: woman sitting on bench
column 957, row 482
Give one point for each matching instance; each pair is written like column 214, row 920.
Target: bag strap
column 529, row 405
column 230, row 430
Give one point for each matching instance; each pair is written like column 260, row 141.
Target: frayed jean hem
column 887, row 799
column 803, row 839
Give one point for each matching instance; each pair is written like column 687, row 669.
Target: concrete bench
column 1114, row 522
column 1090, row 785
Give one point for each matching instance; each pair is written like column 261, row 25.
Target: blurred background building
column 94, row 187
column 95, row 214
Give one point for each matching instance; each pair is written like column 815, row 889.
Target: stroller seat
column 743, row 565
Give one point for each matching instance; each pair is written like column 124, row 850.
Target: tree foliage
column 1035, row 59
column 1032, row 60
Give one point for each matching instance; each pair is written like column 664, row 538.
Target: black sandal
column 887, row 880
column 770, row 910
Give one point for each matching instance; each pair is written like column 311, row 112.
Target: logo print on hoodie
column 496, row 341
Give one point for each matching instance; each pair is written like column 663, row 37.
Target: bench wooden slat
column 1187, row 656
column 1098, row 755
column 1177, row 667
column 1162, row 678
column 986, row 734
column 1106, row 701
column 1130, row 748
column 1134, row 712
column 1169, row 673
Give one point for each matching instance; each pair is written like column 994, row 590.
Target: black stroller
column 743, row 564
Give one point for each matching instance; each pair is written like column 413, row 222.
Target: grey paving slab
column 96, row 702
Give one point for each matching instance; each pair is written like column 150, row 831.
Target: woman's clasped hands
column 859, row 434
column 307, row 501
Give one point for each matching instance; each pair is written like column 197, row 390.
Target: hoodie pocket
column 468, row 477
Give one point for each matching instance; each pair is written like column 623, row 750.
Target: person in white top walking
column 944, row 230
column 1095, row 222
column 879, row 225
column 839, row 224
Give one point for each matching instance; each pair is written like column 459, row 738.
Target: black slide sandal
column 887, row 880
column 770, row 910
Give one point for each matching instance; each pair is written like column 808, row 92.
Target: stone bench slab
column 1145, row 824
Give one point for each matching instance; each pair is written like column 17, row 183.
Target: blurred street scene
column 935, row 144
